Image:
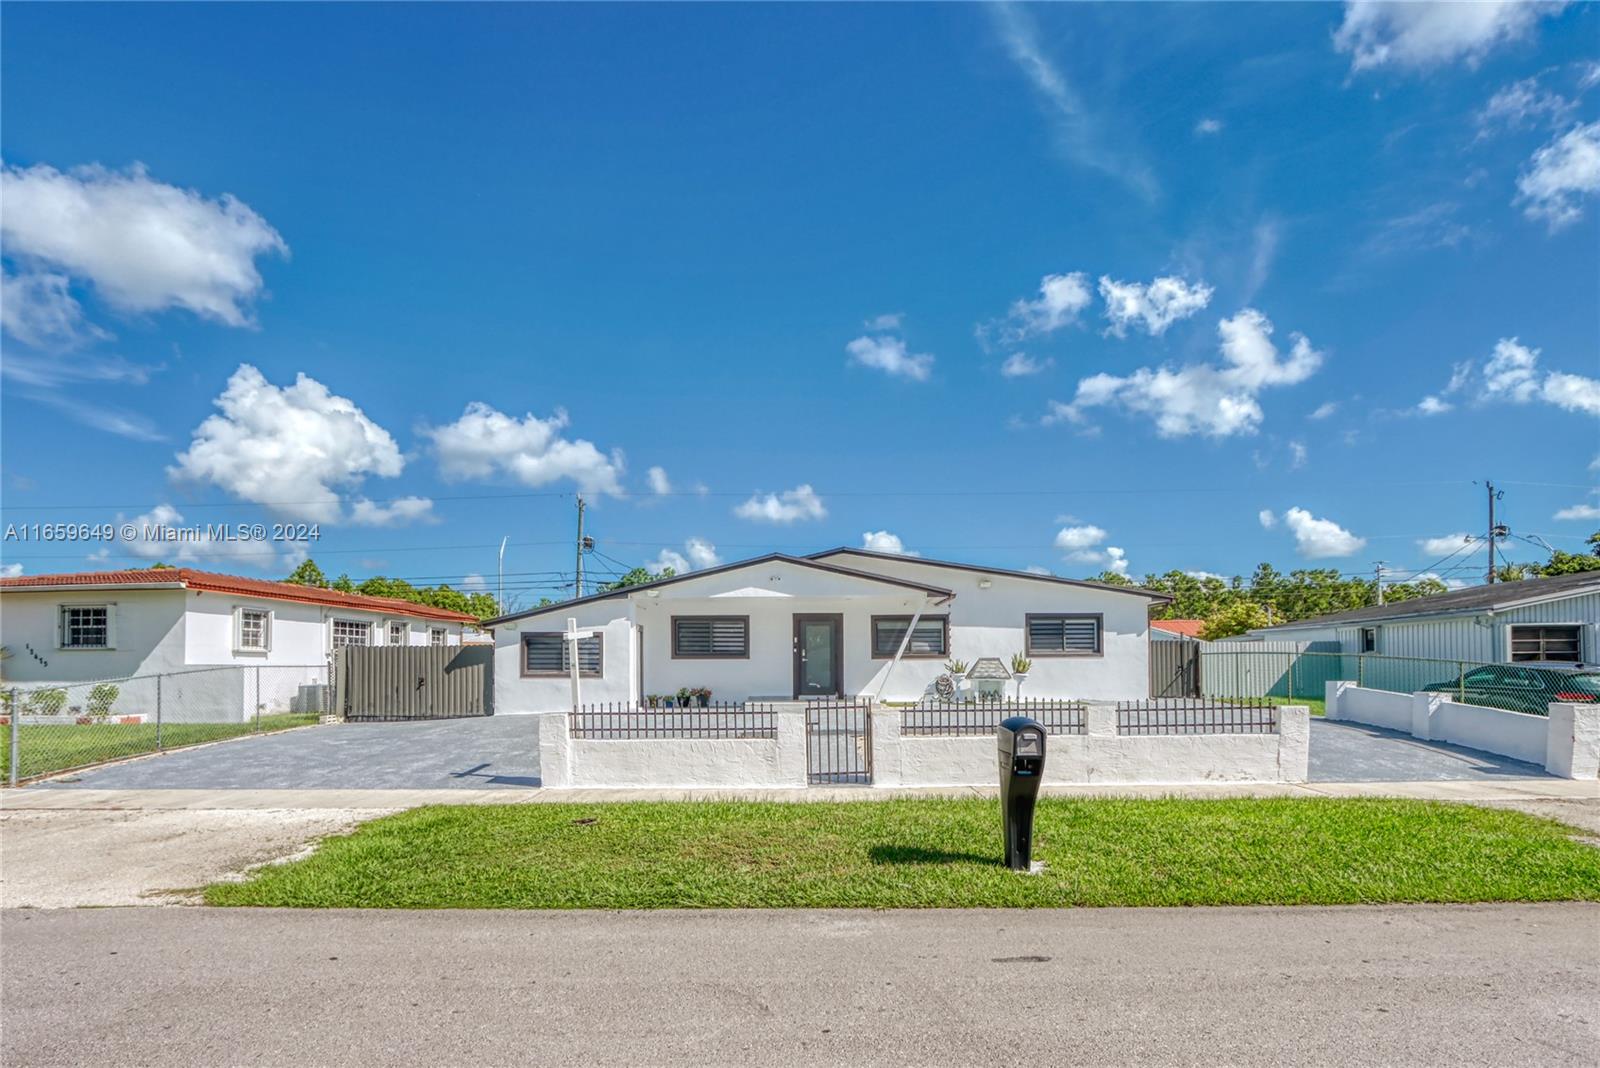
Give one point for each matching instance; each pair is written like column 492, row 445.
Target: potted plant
column 703, row 695
column 685, row 697
column 652, row 700
column 1020, row 665
column 957, row 670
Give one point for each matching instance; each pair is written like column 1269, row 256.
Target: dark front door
column 818, row 656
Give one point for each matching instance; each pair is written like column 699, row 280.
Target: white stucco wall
column 148, row 635
column 672, row 763
column 300, row 633
column 983, row 622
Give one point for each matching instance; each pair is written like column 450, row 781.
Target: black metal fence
column 957, row 718
column 1256, row 715
column 839, row 742
column 627, row 720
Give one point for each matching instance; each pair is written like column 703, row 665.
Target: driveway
column 466, row 754
column 1355, row 752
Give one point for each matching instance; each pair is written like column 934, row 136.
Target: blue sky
column 1068, row 287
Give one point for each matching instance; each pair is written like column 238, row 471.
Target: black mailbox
column 1021, row 742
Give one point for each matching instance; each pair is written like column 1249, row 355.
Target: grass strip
column 47, row 748
column 932, row 853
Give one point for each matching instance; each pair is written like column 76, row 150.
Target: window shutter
column 1064, row 634
column 711, row 636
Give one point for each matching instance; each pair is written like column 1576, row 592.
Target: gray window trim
column 1099, row 634
column 744, row 620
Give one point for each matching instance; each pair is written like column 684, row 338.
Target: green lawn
column 58, row 747
column 931, row 853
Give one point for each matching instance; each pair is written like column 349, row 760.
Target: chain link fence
column 1303, row 676
column 50, row 728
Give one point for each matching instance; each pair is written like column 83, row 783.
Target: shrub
column 101, row 698
column 44, row 702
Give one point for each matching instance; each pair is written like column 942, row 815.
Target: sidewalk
column 27, row 799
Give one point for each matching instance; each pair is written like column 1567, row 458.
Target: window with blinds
column 1547, row 643
column 931, row 638
column 549, row 653
column 1064, row 635
column 711, row 637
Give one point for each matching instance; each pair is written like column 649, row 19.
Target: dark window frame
column 872, row 636
column 710, row 620
column 1362, row 636
column 1099, row 634
column 583, row 673
column 66, row 627
column 1543, row 639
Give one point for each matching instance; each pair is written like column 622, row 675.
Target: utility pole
column 500, row 590
column 1377, row 574
column 1494, row 531
column 578, row 584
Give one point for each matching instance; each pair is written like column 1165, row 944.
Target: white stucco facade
column 164, row 630
column 987, row 613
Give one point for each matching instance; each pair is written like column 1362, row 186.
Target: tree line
column 443, row 596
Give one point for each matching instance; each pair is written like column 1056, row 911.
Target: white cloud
column 474, row 583
column 1078, row 129
column 161, row 534
column 1020, row 365
column 38, row 309
column 10, row 570
column 890, row 321
column 1444, row 545
column 889, row 355
column 399, row 512
column 1320, row 538
column 790, row 506
column 1062, row 298
column 660, row 484
column 1428, row 33
column 1266, row 518
column 1432, row 405
column 1073, row 539
column 1116, row 561
column 1579, row 511
column 1560, row 175
column 144, row 245
column 1206, row 576
column 881, row 541
column 1297, row 455
column 1154, row 307
column 1324, row 410
column 668, row 560
column 1512, row 374
column 1035, row 569
column 531, row 450
column 1217, row 401
column 1520, row 105
column 700, row 554
column 1208, row 125
column 291, row 449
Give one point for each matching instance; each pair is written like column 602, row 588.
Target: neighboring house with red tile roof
column 1171, row 629
column 117, row 624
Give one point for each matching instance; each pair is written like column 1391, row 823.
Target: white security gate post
column 886, row 753
column 1294, row 743
column 1572, row 747
column 555, row 750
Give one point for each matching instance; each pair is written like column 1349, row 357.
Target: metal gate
column 839, row 742
column 1174, row 668
column 396, row 682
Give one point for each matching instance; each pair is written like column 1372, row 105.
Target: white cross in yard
column 573, row 635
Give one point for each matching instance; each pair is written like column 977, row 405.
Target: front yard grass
column 932, row 853
column 47, row 748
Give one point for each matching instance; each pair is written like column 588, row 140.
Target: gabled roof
column 798, row 561
column 187, row 578
column 1137, row 591
column 1490, row 597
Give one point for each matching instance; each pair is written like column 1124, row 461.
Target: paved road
column 503, row 751
column 1498, row 985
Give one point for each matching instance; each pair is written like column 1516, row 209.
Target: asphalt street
column 1462, row 985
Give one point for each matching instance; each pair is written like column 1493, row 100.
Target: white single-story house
column 117, row 624
column 841, row 623
column 1554, row 619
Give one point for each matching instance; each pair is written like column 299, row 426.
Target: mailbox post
column 1021, row 744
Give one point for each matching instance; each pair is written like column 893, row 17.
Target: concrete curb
column 43, row 798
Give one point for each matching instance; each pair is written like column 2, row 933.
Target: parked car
column 1523, row 687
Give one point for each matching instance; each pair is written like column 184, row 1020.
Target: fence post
column 1291, row 676
column 258, row 697
column 1361, row 670
column 158, row 712
column 1461, row 681
column 16, row 733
